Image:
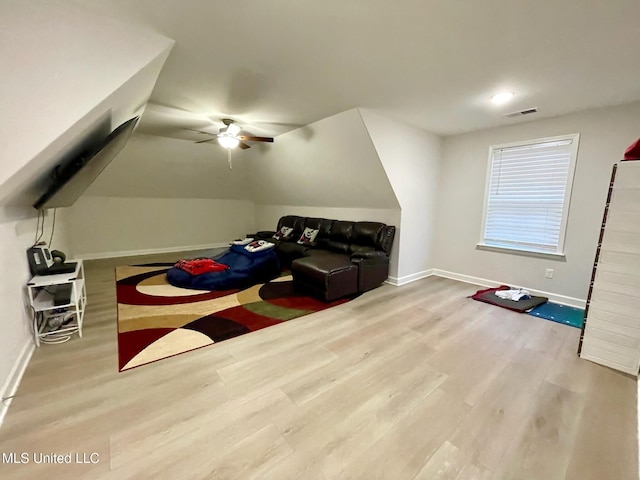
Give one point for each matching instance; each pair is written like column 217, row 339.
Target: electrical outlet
column 548, row 273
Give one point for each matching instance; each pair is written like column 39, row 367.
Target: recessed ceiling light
column 502, row 97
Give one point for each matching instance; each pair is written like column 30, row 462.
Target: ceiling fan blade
column 255, row 139
column 243, row 146
column 206, row 141
column 199, row 131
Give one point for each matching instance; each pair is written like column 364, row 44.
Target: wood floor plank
column 487, row 432
column 542, row 448
column 405, row 382
column 219, row 428
column 446, row 463
column 609, row 413
column 411, row 442
column 475, row 471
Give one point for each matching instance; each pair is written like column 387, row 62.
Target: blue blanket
column 245, row 269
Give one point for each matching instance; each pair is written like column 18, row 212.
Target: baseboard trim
column 148, row 251
column 484, row 282
column 398, row 281
column 15, row 376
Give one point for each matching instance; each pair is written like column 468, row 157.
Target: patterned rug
column 157, row 320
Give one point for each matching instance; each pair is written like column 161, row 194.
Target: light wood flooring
column 414, row 382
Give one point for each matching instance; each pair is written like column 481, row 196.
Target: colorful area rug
column 157, row 320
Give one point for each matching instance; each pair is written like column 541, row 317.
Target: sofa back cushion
column 324, row 230
column 293, row 221
column 313, row 223
column 340, row 236
column 367, row 233
column 287, row 221
column 365, row 237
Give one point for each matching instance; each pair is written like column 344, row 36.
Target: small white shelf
column 71, row 327
column 43, row 301
column 41, row 298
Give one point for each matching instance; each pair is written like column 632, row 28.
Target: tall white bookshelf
column 611, row 330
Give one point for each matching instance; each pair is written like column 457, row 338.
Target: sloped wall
column 164, row 194
column 63, row 71
column 150, row 166
column 411, row 158
column 329, row 163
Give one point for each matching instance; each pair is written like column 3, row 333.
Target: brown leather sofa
column 345, row 257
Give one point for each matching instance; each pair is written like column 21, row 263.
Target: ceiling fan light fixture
column 228, row 141
column 233, row 129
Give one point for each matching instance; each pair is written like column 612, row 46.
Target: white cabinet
column 611, row 331
column 56, row 323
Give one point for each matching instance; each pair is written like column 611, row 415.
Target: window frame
column 560, row 247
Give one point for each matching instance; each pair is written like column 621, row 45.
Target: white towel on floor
column 516, row 294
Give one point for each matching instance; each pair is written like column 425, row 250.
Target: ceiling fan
column 228, row 136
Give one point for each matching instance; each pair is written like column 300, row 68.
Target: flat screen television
column 71, row 180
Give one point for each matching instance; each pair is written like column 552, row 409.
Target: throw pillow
column 284, row 232
column 308, row 236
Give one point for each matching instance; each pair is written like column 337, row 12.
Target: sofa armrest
column 373, row 269
column 370, row 258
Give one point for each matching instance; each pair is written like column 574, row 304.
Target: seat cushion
column 318, row 266
column 327, row 277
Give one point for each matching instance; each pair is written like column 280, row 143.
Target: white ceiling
column 275, row 65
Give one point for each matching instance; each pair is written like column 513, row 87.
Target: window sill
column 518, row 251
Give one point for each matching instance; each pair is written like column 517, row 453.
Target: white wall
column 60, row 63
column 63, row 72
column 604, row 136
column 160, row 167
column 100, row 227
column 411, row 159
column 17, row 234
column 17, row 229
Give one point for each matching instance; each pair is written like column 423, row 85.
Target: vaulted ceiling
column 276, row 65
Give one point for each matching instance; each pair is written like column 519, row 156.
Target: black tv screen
column 71, row 181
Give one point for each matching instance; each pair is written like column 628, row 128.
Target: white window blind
column 527, row 196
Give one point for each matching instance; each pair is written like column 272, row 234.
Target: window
column 528, row 192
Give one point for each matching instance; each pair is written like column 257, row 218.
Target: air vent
column 528, row 111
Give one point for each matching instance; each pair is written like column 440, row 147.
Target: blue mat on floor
column 559, row 313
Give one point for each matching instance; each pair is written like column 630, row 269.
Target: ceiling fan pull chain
column 229, row 158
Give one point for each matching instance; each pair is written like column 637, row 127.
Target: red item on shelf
column 633, row 152
column 198, row 266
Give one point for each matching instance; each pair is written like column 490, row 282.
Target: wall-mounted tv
column 71, row 180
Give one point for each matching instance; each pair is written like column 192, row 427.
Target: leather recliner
column 345, row 258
